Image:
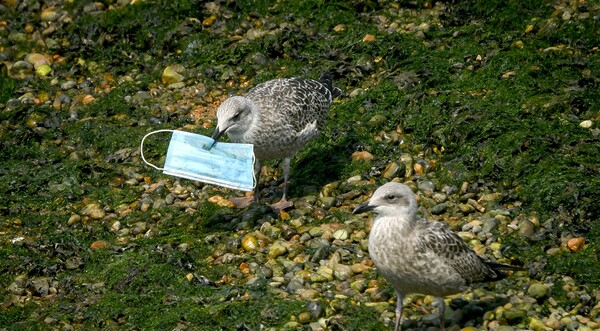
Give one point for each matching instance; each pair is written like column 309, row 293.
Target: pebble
column 250, row 243
column 94, row 211
column 43, row 70
column 439, row 209
column 538, row 291
column 49, row 15
column 362, row 156
column 465, row 208
column 70, row 84
column 74, row 218
column 98, row 245
column 277, row 249
column 341, row 234
column 171, row 76
column 527, row 229
column 586, row 124
column 342, row 272
column 391, row 170
column 576, row 244
column 368, row 38
column 339, row 28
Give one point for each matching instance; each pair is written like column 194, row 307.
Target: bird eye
column 236, row 116
column 390, row 197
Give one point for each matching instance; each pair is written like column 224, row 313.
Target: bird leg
column 283, row 203
column 442, row 311
column 399, row 306
column 246, row 201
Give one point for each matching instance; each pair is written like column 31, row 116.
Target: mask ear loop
column 254, row 182
column 142, row 148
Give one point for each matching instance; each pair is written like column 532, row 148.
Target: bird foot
column 243, row 202
column 281, row 205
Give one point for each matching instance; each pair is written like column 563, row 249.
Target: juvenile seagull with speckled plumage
column 278, row 117
column 419, row 256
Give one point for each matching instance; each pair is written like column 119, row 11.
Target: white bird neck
column 397, row 222
column 253, row 116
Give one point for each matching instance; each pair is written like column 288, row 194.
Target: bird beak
column 216, row 135
column 365, row 207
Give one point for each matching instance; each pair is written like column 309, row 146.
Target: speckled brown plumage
column 420, row 256
column 278, row 117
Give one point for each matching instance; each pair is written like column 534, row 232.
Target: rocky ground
column 487, row 110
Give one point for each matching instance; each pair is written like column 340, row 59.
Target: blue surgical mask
column 225, row 164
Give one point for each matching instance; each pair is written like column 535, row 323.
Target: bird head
column 391, row 199
column 233, row 117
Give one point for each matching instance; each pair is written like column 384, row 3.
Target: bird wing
column 299, row 104
column 437, row 238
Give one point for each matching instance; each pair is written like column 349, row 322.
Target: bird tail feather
column 499, row 270
column 327, row 80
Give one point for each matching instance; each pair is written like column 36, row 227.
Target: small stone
column 308, row 294
column 527, row 229
column 418, row 168
column 576, row 244
column 70, row 84
column 43, row 70
column 362, row 156
column 368, row 38
column 277, row 249
column 553, row 323
column 515, row 315
column 94, row 211
column 315, row 308
column 324, row 274
column 341, row 234
column 586, row 124
column 304, row 317
column 49, row 15
column 292, row 325
column 73, row 219
column 518, row 44
column 209, row 21
column 40, row 286
column 139, row 228
column 339, row 28
column 342, row 271
column 295, row 285
column 326, row 202
column 21, row 68
column 356, row 92
column 189, row 277
column 439, row 209
column 170, row 76
column 440, row 197
column 249, row 243
column 98, row 245
column 508, row 74
column 378, row 119
column 538, row 291
column 476, row 205
column 222, row 202
column 427, row 187
column 535, row 324
column 359, row 285
column 465, row 208
column 116, row 226
column 37, row 59
column 529, row 28
column 391, row 170
column 320, row 254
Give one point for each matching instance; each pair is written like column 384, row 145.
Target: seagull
column 278, row 117
column 419, row 256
